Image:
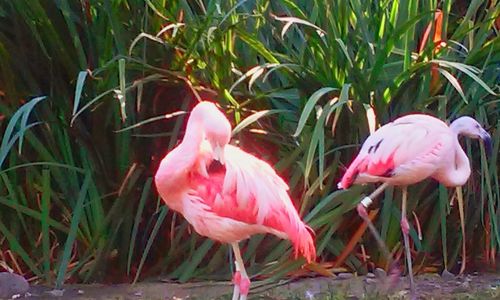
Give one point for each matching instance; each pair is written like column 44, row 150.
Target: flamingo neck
column 457, row 172
column 172, row 178
column 193, row 135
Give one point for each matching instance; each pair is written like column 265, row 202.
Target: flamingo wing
column 252, row 192
column 401, row 152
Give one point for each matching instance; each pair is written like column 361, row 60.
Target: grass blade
column 73, row 229
column 46, row 194
column 255, row 117
column 80, row 81
column 154, row 232
column 138, row 215
column 311, row 103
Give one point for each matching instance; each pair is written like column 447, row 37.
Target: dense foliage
column 93, row 94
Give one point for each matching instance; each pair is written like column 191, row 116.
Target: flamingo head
column 217, row 129
column 469, row 127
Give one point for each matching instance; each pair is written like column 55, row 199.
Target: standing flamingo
column 411, row 149
column 233, row 200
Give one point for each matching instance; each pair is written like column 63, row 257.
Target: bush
column 77, row 202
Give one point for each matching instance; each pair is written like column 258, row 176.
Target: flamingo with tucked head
column 239, row 197
column 409, row 150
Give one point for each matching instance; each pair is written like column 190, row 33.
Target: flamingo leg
column 405, row 228
column 243, row 282
column 462, row 225
column 236, row 282
column 361, row 208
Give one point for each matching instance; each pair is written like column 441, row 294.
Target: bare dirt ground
column 429, row 286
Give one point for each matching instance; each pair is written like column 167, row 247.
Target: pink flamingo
column 233, row 200
column 411, row 149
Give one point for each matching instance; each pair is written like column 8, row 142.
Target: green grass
column 105, row 83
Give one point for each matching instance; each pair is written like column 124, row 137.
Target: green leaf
column 311, row 103
column 255, row 117
column 8, row 140
column 137, row 220
column 468, row 70
column 151, row 238
column 196, row 259
column 73, row 229
column 46, row 194
column 257, row 46
column 78, row 90
column 454, row 82
column 18, row 249
column 294, row 20
column 122, row 93
column 151, row 120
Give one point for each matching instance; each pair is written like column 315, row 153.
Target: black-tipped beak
column 486, row 137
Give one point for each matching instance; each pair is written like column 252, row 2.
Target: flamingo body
column 246, row 197
column 408, row 150
column 231, row 200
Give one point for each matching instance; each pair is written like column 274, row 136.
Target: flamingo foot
column 244, row 288
column 240, row 278
column 394, row 275
column 362, row 211
column 409, row 263
column 405, row 226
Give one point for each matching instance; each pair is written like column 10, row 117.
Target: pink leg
column 236, row 282
column 460, row 201
column 361, row 208
column 364, row 215
column 242, row 282
column 237, row 278
column 362, row 211
column 240, row 279
column 405, row 228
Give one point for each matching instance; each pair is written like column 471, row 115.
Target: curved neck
column 458, row 171
column 172, row 175
column 455, row 128
column 193, row 136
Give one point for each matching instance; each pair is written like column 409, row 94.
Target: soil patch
column 429, row 286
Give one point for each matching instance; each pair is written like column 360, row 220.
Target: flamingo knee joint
column 367, row 201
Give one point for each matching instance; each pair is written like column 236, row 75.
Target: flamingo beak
column 486, row 138
column 202, row 169
column 219, row 153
